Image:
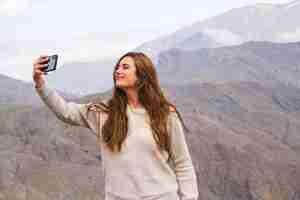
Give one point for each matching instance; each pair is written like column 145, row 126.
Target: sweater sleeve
column 69, row 112
column 183, row 166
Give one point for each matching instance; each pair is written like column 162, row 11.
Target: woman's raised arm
column 69, row 112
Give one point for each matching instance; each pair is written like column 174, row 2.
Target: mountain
column 273, row 109
column 240, row 134
column 243, row 140
column 260, row 22
column 40, row 157
column 18, row 92
column 12, row 91
column 195, row 41
column 263, row 62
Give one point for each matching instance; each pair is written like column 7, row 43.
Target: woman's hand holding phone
column 38, row 73
column 43, row 65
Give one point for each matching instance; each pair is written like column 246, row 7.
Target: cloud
column 14, row 7
column 293, row 36
column 224, row 36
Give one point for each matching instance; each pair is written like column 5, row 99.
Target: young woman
column 139, row 132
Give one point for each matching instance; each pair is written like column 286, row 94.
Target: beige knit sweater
column 140, row 171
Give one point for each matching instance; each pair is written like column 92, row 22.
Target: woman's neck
column 132, row 97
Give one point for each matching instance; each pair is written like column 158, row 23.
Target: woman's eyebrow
column 126, row 64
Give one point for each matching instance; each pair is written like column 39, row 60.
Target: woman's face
column 125, row 73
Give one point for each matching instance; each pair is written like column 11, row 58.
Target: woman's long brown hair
column 150, row 95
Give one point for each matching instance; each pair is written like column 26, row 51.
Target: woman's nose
column 118, row 73
column 119, row 69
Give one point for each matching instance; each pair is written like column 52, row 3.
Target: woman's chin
column 120, row 86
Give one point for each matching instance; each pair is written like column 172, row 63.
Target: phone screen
column 51, row 65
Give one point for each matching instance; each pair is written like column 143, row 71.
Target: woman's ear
column 143, row 77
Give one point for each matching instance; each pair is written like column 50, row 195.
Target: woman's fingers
column 41, row 60
column 38, row 73
column 40, row 67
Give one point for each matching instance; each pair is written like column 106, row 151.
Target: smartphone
column 51, row 64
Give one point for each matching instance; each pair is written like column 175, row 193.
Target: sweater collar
column 140, row 110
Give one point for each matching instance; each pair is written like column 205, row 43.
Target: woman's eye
column 124, row 67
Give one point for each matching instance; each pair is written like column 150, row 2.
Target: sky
column 83, row 31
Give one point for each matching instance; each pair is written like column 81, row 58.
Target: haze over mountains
column 261, row 22
column 240, row 99
column 83, row 78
